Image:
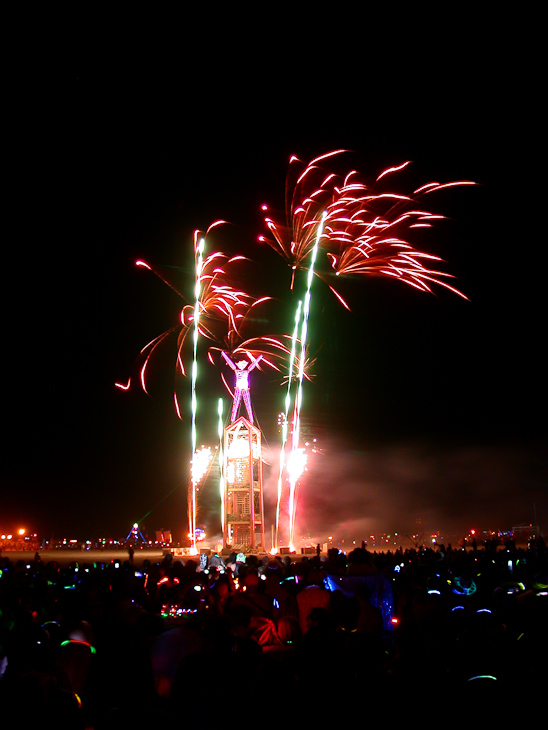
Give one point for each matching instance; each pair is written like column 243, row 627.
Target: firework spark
column 372, row 233
column 307, row 203
column 201, row 464
column 199, row 470
column 368, row 229
column 224, row 316
column 218, row 308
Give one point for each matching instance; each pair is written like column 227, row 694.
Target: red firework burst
column 367, row 230
column 372, row 232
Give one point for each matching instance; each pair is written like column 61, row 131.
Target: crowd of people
column 407, row 634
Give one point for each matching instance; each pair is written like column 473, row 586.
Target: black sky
column 119, row 147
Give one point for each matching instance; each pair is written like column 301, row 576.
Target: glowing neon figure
column 242, row 369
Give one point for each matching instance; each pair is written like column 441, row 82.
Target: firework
column 307, row 204
column 299, row 396
column 371, row 233
column 218, row 307
column 335, row 226
column 274, row 352
column 368, row 230
column 201, row 464
column 361, row 230
column 221, row 317
column 285, row 415
column 199, row 469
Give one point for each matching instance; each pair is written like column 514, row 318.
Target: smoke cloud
column 411, row 488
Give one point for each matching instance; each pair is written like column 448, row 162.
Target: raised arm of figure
column 229, row 361
column 255, row 362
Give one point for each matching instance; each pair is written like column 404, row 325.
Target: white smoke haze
column 413, row 488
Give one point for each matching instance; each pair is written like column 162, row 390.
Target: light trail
column 220, row 432
column 286, row 413
column 299, row 397
column 193, row 402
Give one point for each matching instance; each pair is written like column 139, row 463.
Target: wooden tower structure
column 243, row 508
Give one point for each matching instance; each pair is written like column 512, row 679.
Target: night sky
column 430, row 410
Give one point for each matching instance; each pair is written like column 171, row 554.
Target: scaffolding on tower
column 243, row 507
